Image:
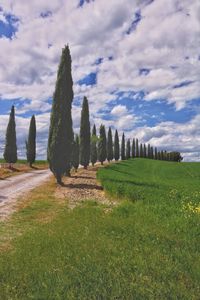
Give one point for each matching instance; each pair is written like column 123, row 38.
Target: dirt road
column 13, row 187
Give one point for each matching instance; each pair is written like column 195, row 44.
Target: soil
column 82, row 186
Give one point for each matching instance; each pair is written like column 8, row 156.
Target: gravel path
column 82, row 186
column 13, row 187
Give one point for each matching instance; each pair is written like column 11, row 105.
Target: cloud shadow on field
column 134, row 183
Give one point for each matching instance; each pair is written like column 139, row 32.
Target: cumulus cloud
column 119, row 110
column 165, row 42
column 172, row 136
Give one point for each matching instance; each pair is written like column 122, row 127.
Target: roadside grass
column 21, row 167
column 145, row 248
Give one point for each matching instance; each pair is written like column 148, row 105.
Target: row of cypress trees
column 10, row 150
column 101, row 148
column 66, row 150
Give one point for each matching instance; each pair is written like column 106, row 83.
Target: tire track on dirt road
column 13, row 187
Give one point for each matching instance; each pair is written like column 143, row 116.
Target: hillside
column 146, row 179
column 145, row 247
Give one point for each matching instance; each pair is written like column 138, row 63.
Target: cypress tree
column 133, row 148
column 10, row 152
column 162, row 155
column 165, row 155
column 149, row 151
column 152, row 153
column 75, row 153
column 85, row 135
column 123, row 157
column 128, row 149
column 145, row 151
column 137, row 149
column 31, row 142
column 156, row 153
column 116, row 146
column 93, row 150
column 168, row 156
column 61, row 132
column 141, row 150
column 109, row 145
column 159, row 155
column 102, row 153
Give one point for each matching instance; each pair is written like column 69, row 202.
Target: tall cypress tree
column 102, row 153
column 128, row 149
column 116, row 146
column 75, row 153
column 168, row 156
column 93, row 150
column 61, row 132
column 145, row 151
column 165, row 155
column 10, row 151
column 141, row 150
column 133, row 148
column 152, row 153
column 123, row 156
column 85, row 135
column 149, row 151
column 137, row 149
column 109, row 145
column 162, row 155
column 31, row 142
column 156, row 153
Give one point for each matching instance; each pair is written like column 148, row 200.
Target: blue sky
column 138, row 67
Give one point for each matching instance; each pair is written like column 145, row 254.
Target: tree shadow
column 84, row 186
column 34, row 168
column 82, row 177
column 120, row 171
column 14, row 169
column 153, row 185
column 2, row 198
column 123, row 163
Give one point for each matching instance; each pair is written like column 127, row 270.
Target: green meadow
column 146, row 247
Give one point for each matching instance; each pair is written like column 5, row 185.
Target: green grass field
column 145, row 248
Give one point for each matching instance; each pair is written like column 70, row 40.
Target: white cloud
column 119, row 110
column 3, row 18
column 166, row 42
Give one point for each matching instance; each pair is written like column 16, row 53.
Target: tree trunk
column 85, row 167
column 58, row 178
column 67, row 173
column 101, row 163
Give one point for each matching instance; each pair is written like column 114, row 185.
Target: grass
column 21, row 167
column 146, row 248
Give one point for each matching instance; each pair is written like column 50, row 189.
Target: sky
column 138, row 63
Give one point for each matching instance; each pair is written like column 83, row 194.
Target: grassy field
column 145, row 248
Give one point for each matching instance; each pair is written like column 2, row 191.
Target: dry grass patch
column 5, row 172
